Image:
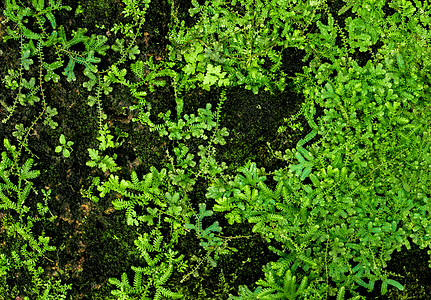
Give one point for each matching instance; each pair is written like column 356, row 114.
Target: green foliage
column 208, row 233
column 241, row 196
column 202, row 72
column 154, row 196
column 237, row 39
column 50, row 112
column 352, row 191
column 34, row 43
column 22, row 188
column 286, row 289
column 105, row 163
column 106, row 141
column 65, row 146
column 22, row 252
column 137, row 10
column 362, row 203
column 92, row 45
column 156, row 273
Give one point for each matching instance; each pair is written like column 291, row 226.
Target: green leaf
column 66, row 153
column 134, row 51
column 303, row 169
column 38, row 4
column 209, row 80
column 194, row 56
column 62, row 139
column 30, row 34
column 189, row 69
column 94, row 154
column 395, row 284
column 50, row 74
column 26, row 61
column 68, row 71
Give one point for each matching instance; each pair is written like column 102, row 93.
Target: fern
column 274, row 288
column 156, row 274
column 25, row 251
column 208, row 233
column 251, row 175
column 303, row 169
column 246, row 293
column 22, row 188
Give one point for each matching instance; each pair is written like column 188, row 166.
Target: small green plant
column 337, row 209
column 106, row 141
column 22, row 251
column 65, row 146
column 161, row 262
column 106, row 163
column 232, row 44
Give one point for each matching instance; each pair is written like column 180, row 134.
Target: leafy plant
column 106, row 163
column 288, row 290
column 157, row 272
column 352, row 191
column 360, row 205
column 238, row 39
column 65, row 146
column 208, row 233
column 22, row 253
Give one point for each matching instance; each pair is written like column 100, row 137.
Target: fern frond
column 137, row 280
column 251, row 175
column 25, row 172
column 22, row 195
column 162, row 291
column 165, row 276
column 120, row 204
column 139, row 69
column 135, row 179
column 267, row 192
column 148, row 180
column 340, row 294
column 131, row 216
column 246, row 293
column 7, row 203
column 157, row 240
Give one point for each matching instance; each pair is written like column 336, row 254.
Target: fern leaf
column 307, row 138
column 7, row 203
column 137, row 280
column 148, row 180
column 170, row 294
column 251, row 175
column 302, row 286
column 165, row 276
column 120, row 204
column 268, row 193
column 157, row 241
column 131, row 216
column 395, row 284
column 340, row 294
column 22, row 195
column 143, row 243
column 139, row 69
column 363, row 283
column 25, row 172
column 134, row 177
column 245, row 293
column 303, row 169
